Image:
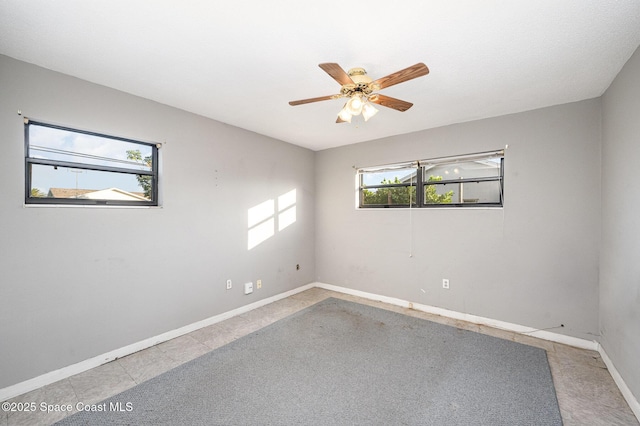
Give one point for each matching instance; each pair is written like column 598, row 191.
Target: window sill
column 430, row 208
column 84, row 206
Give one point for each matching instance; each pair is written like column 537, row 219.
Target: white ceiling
column 241, row 61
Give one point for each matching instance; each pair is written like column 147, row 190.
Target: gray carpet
column 343, row 363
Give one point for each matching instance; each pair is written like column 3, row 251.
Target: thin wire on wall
column 411, row 216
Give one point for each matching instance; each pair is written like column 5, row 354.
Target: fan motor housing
column 361, row 83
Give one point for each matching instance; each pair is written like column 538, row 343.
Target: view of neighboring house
column 450, row 178
column 95, row 194
column 470, row 192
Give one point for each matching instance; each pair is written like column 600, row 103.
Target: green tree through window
column 430, row 195
column 143, row 180
column 35, row 192
column 404, row 195
column 390, row 196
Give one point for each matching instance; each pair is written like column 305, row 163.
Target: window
column 474, row 180
column 69, row 166
column 390, row 186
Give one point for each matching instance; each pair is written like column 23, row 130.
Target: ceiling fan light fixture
column 355, row 104
column 345, row 115
column 368, row 111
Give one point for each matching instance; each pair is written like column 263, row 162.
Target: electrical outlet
column 229, row 285
column 248, row 288
column 259, row 284
column 445, row 283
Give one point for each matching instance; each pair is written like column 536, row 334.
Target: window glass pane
column 407, row 175
column 389, row 196
column 69, row 183
column 463, row 193
column 464, row 170
column 66, row 145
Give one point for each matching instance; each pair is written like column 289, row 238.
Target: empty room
column 282, row 212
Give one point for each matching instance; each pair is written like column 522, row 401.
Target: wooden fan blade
column 414, row 71
column 390, row 102
column 338, row 74
column 308, row 101
column 340, row 120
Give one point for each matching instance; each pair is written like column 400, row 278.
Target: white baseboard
column 68, row 371
column 634, row 404
column 521, row 329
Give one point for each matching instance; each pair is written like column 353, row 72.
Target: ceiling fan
column 360, row 89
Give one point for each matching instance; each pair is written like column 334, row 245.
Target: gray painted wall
column 533, row 263
column 619, row 267
column 79, row 282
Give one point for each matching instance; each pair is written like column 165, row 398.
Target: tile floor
column 587, row 394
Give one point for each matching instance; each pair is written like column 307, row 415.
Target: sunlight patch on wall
column 261, row 219
column 287, row 209
column 261, row 223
